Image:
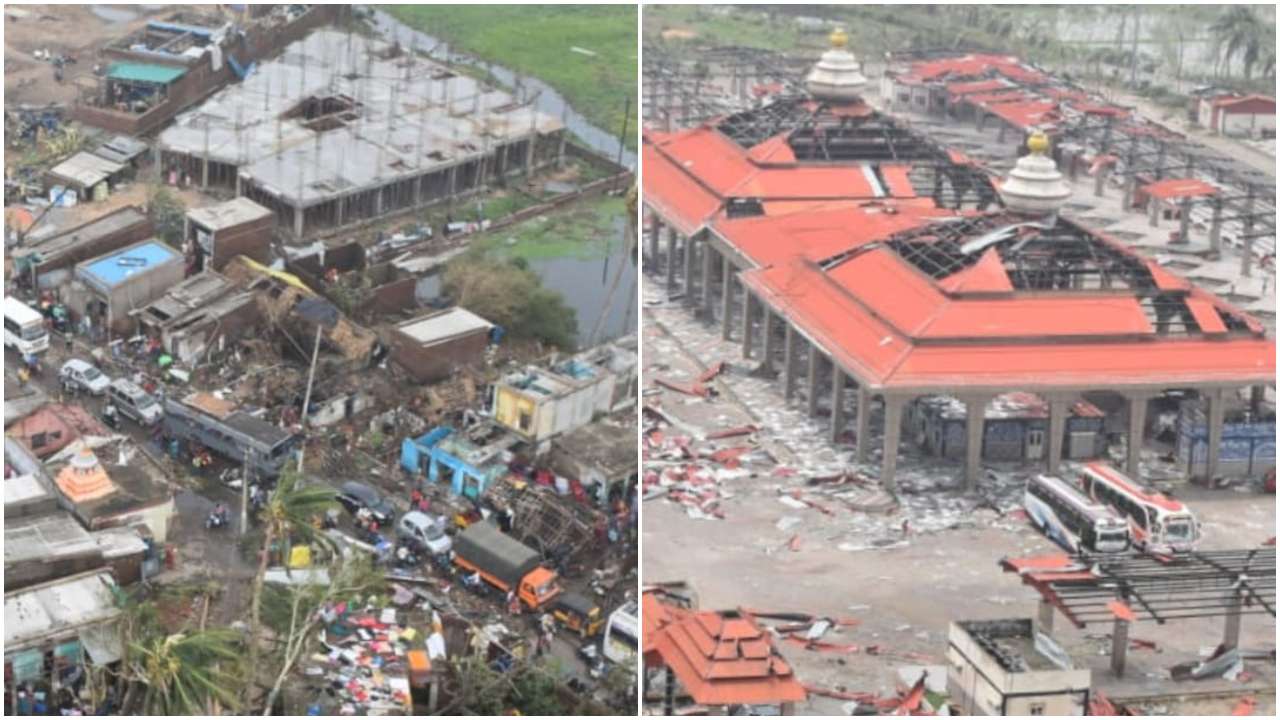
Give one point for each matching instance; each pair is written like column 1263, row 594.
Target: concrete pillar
column 204, row 171
column 1137, row 428
column 672, row 238
column 1119, row 645
column 1153, row 212
column 974, row 421
column 1216, row 412
column 837, row 401
column 864, row 423
column 1130, row 187
column 748, row 337
column 789, row 352
column 1184, row 221
column 1045, row 616
column 726, row 296
column 1257, row 398
column 815, row 359
column 297, row 222
column 892, row 430
column 655, row 234
column 1215, row 227
column 688, row 270
column 1073, row 167
column 1000, row 133
column 1231, row 623
column 1058, row 407
column 1100, row 180
column 708, row 257
column 769, row 350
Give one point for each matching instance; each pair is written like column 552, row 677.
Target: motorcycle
column 216, row 520
column 405, row 557
column 111, row 417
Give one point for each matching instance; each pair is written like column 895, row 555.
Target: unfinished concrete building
column 341, row 129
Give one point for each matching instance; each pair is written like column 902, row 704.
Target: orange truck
column 506, row 564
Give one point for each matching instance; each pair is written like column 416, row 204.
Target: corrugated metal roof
column 85, row 169
column 445, row 325
column 145, row 72
column 62, row 607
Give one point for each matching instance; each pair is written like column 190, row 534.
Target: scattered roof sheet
column 1178, row 188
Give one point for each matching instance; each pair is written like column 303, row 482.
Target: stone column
column 688, row 270
column 708, row 260
column 769, row 350
column 726, row 296
column 1231, row 623
column 892, row 430
column 297, row 222
column 672, row 238
column 1119, row 645
column 975, row 415
column 1216, row 412
column 748, row 337
column 837, row 400
column 1153, row 212
column 1137, row 431
column 1126, row 200
column 815, row 358
column 1058, row 408
column 654, row 235
column 864, row 423
column 1215, row 227
column 1184, row 221
column 1100, row 180
column 789, row 363
column 1045, row 616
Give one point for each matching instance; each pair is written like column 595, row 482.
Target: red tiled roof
column 977, row 86
column 677, row 196
column 720, row 659
column 1026, row 114
column 60, row 425
column 1229, row 100
column 995, row 98
column 975, row 65
column 1178, row 188
column 986, row 275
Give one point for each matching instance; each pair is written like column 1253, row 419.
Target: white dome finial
column 1035, row 186
column 838, row 74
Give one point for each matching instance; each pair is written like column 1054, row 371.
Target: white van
column 86, row 376
column 24, row 328
column 425, row 530
column 134, row 402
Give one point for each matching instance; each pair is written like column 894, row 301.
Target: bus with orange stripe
column 1157, row 523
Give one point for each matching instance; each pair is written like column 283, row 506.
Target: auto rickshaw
column 576, row 612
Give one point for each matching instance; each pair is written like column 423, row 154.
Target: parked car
column 356, row 496
column 134, row 402
column 425, row 531
column 85, row 376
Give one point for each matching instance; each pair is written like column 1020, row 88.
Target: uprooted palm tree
column 184, row 673
column 288, row 513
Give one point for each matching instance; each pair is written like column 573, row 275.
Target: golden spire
column 839, row 38
column 1038, row 143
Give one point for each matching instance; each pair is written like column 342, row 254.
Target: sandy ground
column 73, row 30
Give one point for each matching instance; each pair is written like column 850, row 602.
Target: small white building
column 1235, row 115
column 1007, row 667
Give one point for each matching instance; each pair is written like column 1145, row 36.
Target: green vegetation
column 538, row 40
column 168, row 215
column 586, row 229
column 508, row 293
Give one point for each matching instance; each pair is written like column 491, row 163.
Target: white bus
column 1156, row 523
column 621, row 640
column 1072, row 520
column 24, row 328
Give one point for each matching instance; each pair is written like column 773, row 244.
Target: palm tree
column 288, row 512
column 1238, row 32
column 183, row 672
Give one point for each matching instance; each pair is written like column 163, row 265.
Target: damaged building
column 341, row 129
column 923, row 275
column 46, row 263
column 201, row 314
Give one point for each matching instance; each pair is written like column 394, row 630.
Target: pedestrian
column 415, row 497
column 66, row 339
column 23, row 377
column 906, row 527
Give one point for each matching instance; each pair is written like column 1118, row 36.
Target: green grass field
column 584, row 230
column 537, row 40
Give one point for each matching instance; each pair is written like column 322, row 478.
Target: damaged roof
column 231, row 213
column 68, row 606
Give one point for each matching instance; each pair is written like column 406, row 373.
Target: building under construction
column 341, row 129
